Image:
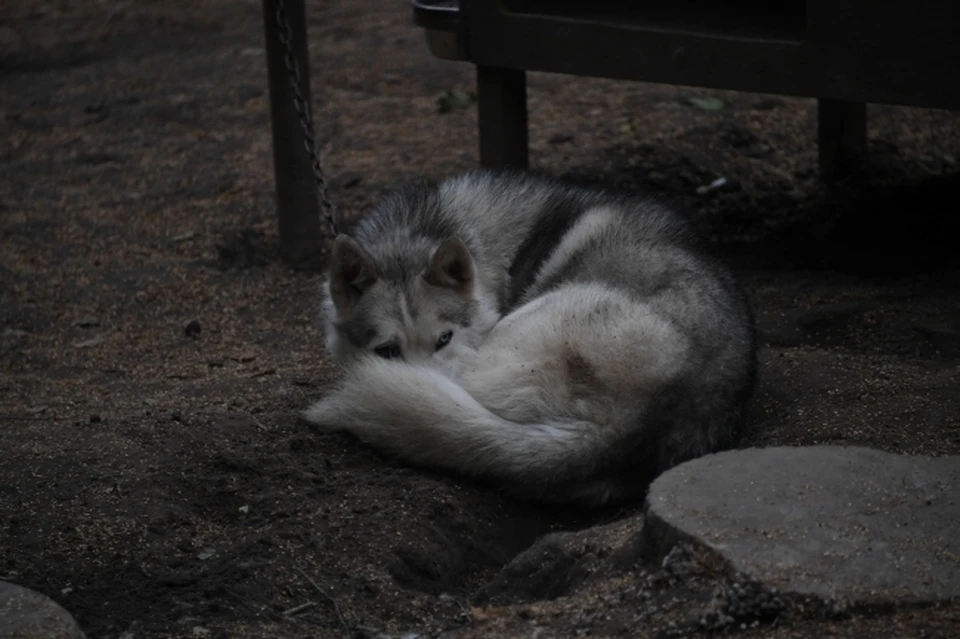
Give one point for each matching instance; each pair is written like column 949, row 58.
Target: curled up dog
column 563, row 343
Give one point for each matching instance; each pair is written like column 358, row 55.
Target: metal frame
column 842, row 52
column 845, row 53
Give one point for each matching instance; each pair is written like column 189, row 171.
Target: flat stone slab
column 839, row 523
column 26, row 614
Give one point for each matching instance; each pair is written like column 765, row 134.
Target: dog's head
column 416, row 299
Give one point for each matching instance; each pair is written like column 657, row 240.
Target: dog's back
column 522, row 238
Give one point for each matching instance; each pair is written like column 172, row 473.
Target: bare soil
column 155, row 351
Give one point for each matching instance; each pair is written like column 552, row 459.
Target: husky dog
column 565, row 343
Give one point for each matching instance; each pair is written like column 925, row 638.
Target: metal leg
column 842, row 135
column 502, row 108
column 301, row 229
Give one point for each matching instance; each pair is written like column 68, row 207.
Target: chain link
column 306, row 119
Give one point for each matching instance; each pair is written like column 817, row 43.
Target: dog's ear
column 352, row 273
column 451, row 266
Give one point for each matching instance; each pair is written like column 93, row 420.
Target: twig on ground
column 257, row 422
column 298, row 609
column 336, row 606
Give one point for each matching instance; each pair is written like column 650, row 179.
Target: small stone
column 86, row 322
column 89, row 343
column 183, row 237
column 718, row 183
column 192, row 329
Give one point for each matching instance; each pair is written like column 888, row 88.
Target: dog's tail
column 423, row 417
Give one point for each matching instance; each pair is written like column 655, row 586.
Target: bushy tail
column 423, row 417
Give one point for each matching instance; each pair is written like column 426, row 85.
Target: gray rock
column 27, row 614
column 838, row 523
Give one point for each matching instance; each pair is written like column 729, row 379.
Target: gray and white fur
column 564, row 343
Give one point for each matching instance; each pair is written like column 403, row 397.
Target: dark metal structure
column 843, row 52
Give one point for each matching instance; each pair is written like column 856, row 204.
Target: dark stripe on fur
column 560, row 212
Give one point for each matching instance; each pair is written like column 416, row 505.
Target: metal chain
column 306, row 119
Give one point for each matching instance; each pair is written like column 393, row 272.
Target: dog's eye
column 444, row 339
column 388, row 351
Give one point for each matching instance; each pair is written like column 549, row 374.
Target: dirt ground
column 155, row 351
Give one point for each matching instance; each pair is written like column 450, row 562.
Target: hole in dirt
column 467, row 555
